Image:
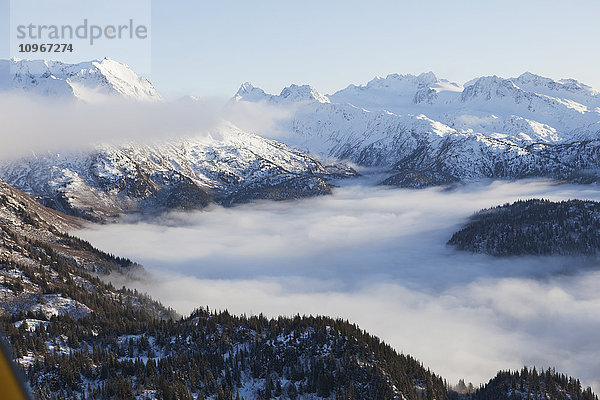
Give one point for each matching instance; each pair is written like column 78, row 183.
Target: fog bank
column 377, row 257
column 33, row 124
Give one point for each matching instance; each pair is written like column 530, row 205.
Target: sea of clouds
column 378, row 257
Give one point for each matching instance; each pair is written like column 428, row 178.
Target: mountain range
column 77, row 336
column 422, row 130
column 430, row 131
column 226, row 165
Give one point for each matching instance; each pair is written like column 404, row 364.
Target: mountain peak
column 489, row 87
column 532, row 82
column 88, row 81
column 487, row 79
column 248, row 92
column 392, row 80
column 531, row 76
column 573, row 85
column 303, row 93
column 395, row 92
column 428, row 77
column 245, row 87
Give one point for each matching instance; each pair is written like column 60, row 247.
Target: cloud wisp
column 39, row 124
column 378, row 257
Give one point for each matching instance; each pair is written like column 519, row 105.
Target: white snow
column 54, row 304
column 221, row 159
column 32, row 324
column 379, row 123
column 89, row 81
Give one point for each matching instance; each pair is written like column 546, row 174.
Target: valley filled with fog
column 378, row 257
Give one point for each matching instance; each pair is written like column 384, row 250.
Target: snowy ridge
column 87, row 81
column 563, row 88
column 487, row 105
column 29, row 234
column 396, row 90
column 290, row 94
column 227, row 165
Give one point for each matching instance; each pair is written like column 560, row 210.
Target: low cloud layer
column 378, row 257
column 38, row 124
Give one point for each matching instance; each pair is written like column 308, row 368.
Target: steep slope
column 76, row 336
column 563, row 88
column 45, row 270
column 88, row 81
column 463, row 158
column 529, row 107
column 228, row 166
column 562, row 118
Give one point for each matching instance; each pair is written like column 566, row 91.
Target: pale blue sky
column 209, row 48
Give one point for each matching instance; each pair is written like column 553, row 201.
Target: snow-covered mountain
column 527, row 107
column 423, row 129
column 430, row 130
column 227, row 165
column 88, row 81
